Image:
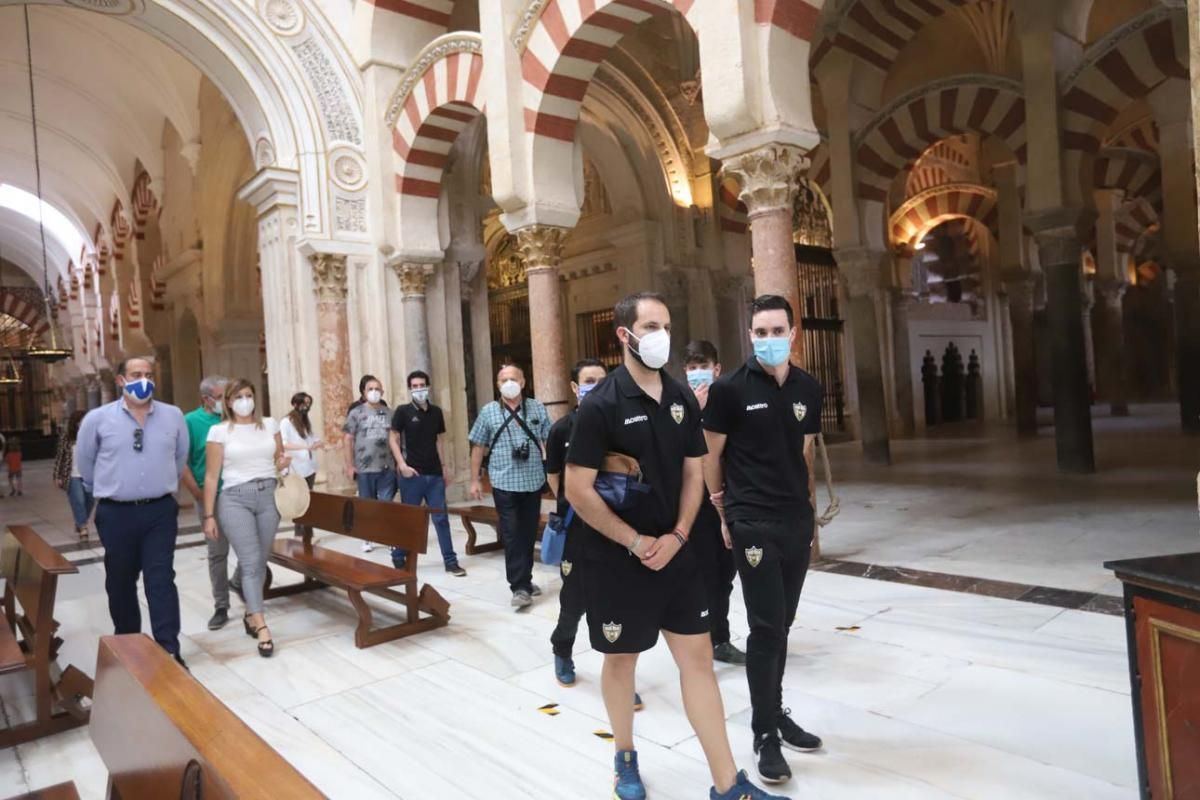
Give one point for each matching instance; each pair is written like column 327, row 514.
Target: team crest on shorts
column 566, row 568
column 677, row 413
column 800, row 410
column 753, row 556
column 612, row 631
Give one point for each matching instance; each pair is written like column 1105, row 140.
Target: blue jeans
column 81, row 502
column 377, row 485
column 432, row 490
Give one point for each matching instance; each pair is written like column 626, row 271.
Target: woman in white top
column 298, row 439
column 245, row 452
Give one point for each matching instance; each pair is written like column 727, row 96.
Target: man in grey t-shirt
column 368, row 457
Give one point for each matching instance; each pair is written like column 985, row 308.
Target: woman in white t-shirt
column 245, row 452
column 298, row 438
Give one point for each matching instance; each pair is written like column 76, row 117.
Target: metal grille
column 823, row 326
column 596, row 338
column 508, row 317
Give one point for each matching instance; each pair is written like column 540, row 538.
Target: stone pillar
column 333, row 344
column 414, row 277
column 900, row 297
column 1110, row 358
column 767, row 179
column 1019, row 285
column 1059, row 253
column 475, row 289
column 860, row 271
column 541, row 249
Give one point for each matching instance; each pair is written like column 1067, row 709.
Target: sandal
column 266, row 649
column 83, row 534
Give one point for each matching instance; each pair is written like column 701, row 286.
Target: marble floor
column 919, row 692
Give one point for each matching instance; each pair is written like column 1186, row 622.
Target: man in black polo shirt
column 761, row 425
column 417, row 440
column 640, row 576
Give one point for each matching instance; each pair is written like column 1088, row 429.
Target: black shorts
column 628, row 603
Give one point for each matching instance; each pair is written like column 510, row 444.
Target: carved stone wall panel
column 337, row 112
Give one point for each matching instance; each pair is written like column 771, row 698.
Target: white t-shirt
column 75, row 461
column 304, row 462
column 249, row 451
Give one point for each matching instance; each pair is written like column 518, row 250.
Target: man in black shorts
column 761, row 424
column 640, row 576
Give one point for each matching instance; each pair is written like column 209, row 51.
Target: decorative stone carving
column 541, row 247
column 414, row 277
column 526, row 23
column 284, row 17
column 347, row 169
column 329, row 277
column 1058, row 247
column 691, row 89
column 437, row 49
column 673, row 284
column 595, row 196
column 767, row 178
column 341, row 121
column 264, row 153
column 350, row 214
column 645, row 100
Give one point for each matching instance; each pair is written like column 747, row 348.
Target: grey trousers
column 218, row 563
column 249, row 520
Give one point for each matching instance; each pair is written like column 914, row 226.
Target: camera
column 521, row 452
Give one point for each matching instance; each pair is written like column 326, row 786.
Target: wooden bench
column 30, row 568
column 161, row 734
column 59, row 791
column 390, row 524
column 487, row 515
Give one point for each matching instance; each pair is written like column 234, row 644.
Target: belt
column 145, row 502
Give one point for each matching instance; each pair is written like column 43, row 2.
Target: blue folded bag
column 554, row 538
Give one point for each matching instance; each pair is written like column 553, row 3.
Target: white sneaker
column 367, row 547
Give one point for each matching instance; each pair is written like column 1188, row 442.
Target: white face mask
column 653, row 349
column 420, row 396
column 243, row 406
column 374, row 396
column 510, row 390
column 218, row 407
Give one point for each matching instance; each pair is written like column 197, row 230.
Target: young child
column 13, row 459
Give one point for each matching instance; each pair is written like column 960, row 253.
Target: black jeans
column 772, row 558
column 571, row 605
column 716, row 569
column 141, row 539
column 519, row 513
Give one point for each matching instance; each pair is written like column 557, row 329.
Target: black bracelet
column 679, row 536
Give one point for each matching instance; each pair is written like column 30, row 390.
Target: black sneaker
column 535, row 590
column 179, row 660
column 771, row 766
column 727, row 653
column 218, row 619
column 457, row 571
column 794, row 737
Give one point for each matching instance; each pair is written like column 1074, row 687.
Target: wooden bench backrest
column 163, row 735
column 25, row 561
column 392, row 524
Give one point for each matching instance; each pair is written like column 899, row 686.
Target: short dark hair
column 125, row 362
column 700, row 351
column 625, row 313
column 417, row 373
column 583, row 364
column 362, row 383
column 773, row 302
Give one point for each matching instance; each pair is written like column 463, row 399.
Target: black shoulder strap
column 496, row 438
column 537, row 442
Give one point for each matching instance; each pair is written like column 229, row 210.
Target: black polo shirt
column 766, row 476
column 557, row 444
column 419, row 429
column 617, row 416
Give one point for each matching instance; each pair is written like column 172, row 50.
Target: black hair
column 773, row 302
column 121, row 367
column 700, row 351
column 625, row 313
column 417, row 373
column 362, row 384
column 583, row 364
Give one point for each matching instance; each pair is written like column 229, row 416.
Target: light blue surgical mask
column 773, row 350
column 699, row 377
column 585, row 389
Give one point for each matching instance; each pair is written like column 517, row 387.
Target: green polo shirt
column 198, row 422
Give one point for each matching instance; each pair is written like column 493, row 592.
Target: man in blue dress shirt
column 132, row 453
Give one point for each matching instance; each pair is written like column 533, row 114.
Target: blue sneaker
column 638, row 705
column 743, row 789
column 564, row 670
column 627, row 783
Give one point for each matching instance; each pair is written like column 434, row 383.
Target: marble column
column 475, row 290
column 859, row 269
column 414, row 277
column 333, row 345
column 1059, row 252
column 1110, row 355
column 541, row 248
column 1019, row 285
column 767, row 180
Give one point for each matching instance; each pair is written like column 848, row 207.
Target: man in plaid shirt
column 512, row 433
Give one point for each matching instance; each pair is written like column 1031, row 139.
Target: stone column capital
column 329, row 277
column 541, row 247
column 860, row 269
column 768, row 177
column 414, row 277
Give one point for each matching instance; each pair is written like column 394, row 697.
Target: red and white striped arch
column 22, row 309
column 436, row 12
column 122, row 231
column 820, row 169
column 926, row 210
column 1135, row 219
column 875, row 31
column 1116, row 72
column 1141, row 135
column 1136, row 172
column 902, row 132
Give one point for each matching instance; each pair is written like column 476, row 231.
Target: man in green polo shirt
column 199, row 421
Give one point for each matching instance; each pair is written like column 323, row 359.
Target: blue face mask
column 699, row 377
column 586, row 389
column 773, row 351
column 141, row 389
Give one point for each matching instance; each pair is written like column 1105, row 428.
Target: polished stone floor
column 919, row 692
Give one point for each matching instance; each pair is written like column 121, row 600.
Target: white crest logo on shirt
column 753, row 556
column 566, row 568
column 612, row 631
column 677, row 413
column 800, row 410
